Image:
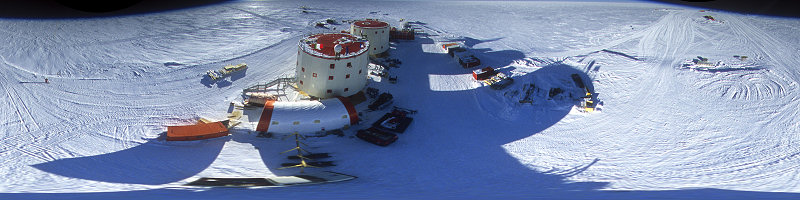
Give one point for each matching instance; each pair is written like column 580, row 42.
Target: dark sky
column 787, row 8
column 102, row 8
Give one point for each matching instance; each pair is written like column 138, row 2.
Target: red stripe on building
column 266, row 117
column 351, row 110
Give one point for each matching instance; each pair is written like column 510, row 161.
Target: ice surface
column 115, row 84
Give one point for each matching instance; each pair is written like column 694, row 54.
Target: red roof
column 371, row 24
column 196, row 132
column 324, row 43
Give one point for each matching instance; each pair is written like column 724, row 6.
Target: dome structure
column 306, row 116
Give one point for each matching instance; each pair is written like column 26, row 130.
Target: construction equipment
column 587, row 104
column 226, row 71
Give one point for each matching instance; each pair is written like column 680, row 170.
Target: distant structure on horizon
column 376, row 32
column 332, row 64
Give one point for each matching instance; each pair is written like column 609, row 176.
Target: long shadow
column 269, row 149
column 490, row 121
column 223, row 82
column 151, row 163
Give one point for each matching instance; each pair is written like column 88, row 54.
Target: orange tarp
column 196, row 132
column 266, row 117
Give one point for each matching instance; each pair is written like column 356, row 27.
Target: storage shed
column 198, row 131
column 483, row 73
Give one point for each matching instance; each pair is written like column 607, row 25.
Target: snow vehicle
column 225, row 71
column 377, row 137
column 372, row 92
column 396, row 121
column 384, row 100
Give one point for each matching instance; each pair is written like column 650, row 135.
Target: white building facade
column 332, row 64
column 306, row 116
column 376, row 32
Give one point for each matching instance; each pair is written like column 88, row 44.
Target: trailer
column 468, row 61
column 226, row 71
column 499, row 81
column 483, row 73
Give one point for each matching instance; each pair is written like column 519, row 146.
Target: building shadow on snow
column 151, row 163
column 424, row 163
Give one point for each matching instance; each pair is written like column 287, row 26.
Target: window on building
column 314, row 75
column 359, row 71
column 301, row 82
column 349, row 65
column 303, row 69
column 346, row 89
column 330, row 77
column 333, row 66
column 376, row 32
column 374, row 48
column 329, row 91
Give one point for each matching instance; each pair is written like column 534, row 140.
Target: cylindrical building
column 332, row 64
column 376, row 32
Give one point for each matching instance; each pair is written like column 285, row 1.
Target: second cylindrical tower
column 376, row 32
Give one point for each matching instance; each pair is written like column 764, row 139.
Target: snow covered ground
column 664, row 131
